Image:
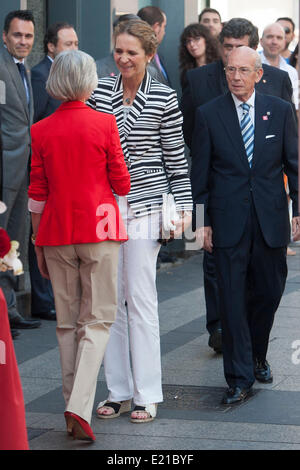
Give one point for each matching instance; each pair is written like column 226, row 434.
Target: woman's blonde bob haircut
column 142, row 31
column 73, row 76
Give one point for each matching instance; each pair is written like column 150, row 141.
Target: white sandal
column 150, row 409
column 118, row 408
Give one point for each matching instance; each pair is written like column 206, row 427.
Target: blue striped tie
column 247, row 132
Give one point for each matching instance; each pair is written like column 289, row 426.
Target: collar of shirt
column 50, row 58
column 16, row 61
column 282, row 63
column 239, row 109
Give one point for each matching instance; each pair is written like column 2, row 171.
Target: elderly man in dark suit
column 16, row 119
column 204, row 84
column 59, row 37
column 242, row 143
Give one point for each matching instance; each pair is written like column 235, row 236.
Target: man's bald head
column 273, row 40
column 243, row 71
column 247, row 54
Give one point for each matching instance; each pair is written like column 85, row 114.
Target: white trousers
column 136, row 329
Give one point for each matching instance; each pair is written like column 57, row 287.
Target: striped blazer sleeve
column 173, row 154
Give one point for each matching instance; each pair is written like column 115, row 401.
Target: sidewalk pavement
column 191, row 416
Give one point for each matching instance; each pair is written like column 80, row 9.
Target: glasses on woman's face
column 190, row 41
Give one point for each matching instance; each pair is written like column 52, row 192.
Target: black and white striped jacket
column 152, row 142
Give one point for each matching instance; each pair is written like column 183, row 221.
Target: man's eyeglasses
column 287, row 30
column 243, row 71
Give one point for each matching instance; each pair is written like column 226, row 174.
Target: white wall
column 260, row 12
column 126, row 6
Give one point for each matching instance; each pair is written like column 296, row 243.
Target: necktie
column 159, row 64
column 22, row 71
column 247, row 130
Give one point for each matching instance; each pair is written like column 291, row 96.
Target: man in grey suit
column 16, row 119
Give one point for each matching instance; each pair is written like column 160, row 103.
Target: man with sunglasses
column 273, row 43
column 289, row 29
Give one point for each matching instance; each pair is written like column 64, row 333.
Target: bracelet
column 33, row 238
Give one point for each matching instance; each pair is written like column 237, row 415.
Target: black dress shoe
column 22, row 324
column 262, row 371
column 14, row 333
column 235, row 395
column 215, row 341
column 50, row 315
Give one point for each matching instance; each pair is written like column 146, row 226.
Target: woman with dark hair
column 197, row 47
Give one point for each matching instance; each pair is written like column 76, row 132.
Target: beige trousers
column 84, row 281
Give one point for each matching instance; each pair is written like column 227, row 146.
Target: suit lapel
column 263, row 118
column 229, row 117
column 138, row 104
column 136, row 108
column 17, row 80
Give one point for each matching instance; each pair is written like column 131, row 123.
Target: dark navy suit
column 42, row 299
column 248, row 212
column 204, row 84
column 44, row 104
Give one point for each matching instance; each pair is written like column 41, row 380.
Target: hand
column 204, row 237
column 181, row 225
column 41, row 262
column 296, row 228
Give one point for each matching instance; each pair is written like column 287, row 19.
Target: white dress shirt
column 293, row 74
column 239, row 109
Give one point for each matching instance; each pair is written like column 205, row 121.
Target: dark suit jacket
column 44, row 104
column 159, row 74
column 223, row 181
column 207, row 82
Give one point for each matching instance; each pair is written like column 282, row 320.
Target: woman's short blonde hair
column 73, row 76
column 142, row 31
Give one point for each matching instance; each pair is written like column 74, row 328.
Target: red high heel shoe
column 78, row 427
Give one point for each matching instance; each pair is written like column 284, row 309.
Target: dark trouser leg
column 41, row 290
column 211, row 290
column 236, row 340
column 267, row 275
column 251, row 278
column 16, row 221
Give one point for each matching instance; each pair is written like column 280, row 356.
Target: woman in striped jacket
column 150, row 128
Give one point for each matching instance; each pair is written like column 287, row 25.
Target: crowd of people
column 103, row 142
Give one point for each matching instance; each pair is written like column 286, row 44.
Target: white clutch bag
column 169, row 213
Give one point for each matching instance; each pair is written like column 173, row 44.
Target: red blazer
column 76, row 161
